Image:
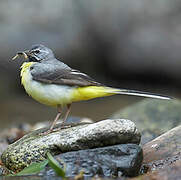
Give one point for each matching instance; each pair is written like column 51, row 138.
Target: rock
column 111, row 161
column 33, row 147
column 172, row 172
column 153, row 117
column 164, row 163
column 162, row 157
column 164, row 150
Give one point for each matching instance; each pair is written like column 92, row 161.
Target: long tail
column 138, row 93
column 91, row 92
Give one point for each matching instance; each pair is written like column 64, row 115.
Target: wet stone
column 172, row 172
column 112, row 161
column 163, row 151
column 164, row 163
column 164, row 146
column 162, row 157
column 33, row 147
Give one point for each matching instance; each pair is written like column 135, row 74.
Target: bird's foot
column 54, row 130
column 62, row 127
column 46, row 132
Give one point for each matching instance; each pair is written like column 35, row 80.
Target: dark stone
column 118, row 160
column 152, row 117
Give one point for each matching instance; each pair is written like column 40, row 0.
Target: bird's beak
column 21, row 53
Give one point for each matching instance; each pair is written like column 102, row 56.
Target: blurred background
column 125, row 44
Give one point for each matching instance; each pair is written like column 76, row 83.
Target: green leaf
column 33, row 168
column 55, row 166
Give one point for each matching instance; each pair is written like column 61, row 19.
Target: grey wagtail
column 53, row 83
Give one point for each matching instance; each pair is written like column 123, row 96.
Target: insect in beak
column 22, row 53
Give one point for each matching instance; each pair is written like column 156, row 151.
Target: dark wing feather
column 62, row 76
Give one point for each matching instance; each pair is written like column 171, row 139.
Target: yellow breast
column 24, row 71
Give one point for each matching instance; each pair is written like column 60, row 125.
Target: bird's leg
column 66, row 114
column 64, row 119
column 57, row 117
column 54, row 122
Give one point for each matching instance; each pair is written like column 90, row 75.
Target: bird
column 54, row 83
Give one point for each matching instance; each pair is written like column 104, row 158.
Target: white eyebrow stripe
column 42, row 50
column 78, row 73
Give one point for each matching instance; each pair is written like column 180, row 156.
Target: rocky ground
column 109, row 148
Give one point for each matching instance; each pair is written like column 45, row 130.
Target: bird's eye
column 36, row 51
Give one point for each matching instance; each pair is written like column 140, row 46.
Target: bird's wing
column 62, row 75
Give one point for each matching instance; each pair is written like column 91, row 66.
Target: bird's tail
column 90, row 92
column 139, row 93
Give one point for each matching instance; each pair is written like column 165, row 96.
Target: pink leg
column 57, row 118
column 66, row 114
column 54, row 122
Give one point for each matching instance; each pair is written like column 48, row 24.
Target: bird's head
column 37, row 53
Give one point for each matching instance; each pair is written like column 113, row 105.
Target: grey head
column 39, row 52
column 42, row 55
